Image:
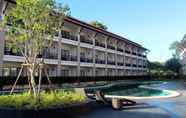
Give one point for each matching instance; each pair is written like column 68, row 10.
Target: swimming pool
column 135, row 91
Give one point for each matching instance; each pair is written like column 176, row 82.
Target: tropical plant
column 34, row 23
column 24, row 100
column 174, row 65
column 99, row 25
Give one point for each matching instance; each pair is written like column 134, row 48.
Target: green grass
column 47, row 100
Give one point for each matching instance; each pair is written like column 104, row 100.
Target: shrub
column 47, row 100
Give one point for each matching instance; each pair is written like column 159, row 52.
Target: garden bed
column 51, row 105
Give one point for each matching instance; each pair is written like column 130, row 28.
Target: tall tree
column 174, row 65
column 99, row 25
column 175, row 47
column 34, row 23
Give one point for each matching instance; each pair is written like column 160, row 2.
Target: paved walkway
column 156, row 108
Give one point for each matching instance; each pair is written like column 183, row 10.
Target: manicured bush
column 56, row 99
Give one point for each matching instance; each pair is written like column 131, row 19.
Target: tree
column 99, row 25
column 34, row 24
column 174, row 65
column 175, row 46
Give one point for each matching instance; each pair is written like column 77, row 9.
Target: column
column 116, row 59
column 94, row 55
column 59, row 55
column 78, row 52
column 2, row 36
column 106, row 56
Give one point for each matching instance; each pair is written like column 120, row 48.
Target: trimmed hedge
column 61, row 80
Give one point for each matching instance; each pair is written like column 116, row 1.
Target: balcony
column 140, row 55
column 68, row 58
column 70, row 37
column 86, row 60
column 127, row 51
column 145, row 56
column 128, row 65
column 49, row 54
column 100, row 61
column 111, row 47
column 134, row 53
column 111, row 62
column 99, row 44
column 140, row 66
column 120, row 49
column 134, row 65
column 120, row 64
column 84, row 40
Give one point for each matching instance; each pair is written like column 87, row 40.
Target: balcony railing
column 119, row 49
column 84, row 40
column 69, row 36
column 51, row 56
column 111, row 62
column 140, row 66
column 86, row 60
column 68, row 58
column 99, row 44
column 120, row 64
column 144, row 56
column 100, row 61
column 134, row 65
column 128, row 65
column 140, row 55
column 110, row 47
column 134, row 53
column 127, row 51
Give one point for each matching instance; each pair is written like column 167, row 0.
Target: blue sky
column 153, row 23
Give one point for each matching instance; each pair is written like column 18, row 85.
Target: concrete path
column 155, row 108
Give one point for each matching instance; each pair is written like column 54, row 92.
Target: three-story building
column 80, row 50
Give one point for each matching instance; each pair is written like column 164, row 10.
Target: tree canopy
column 174, row 65
column 99, row 25
column 34, row 24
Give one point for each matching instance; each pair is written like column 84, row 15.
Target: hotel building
column 81, row 50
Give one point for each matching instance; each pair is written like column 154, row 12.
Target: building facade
column 81, row 50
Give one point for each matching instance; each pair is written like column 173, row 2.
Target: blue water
column 131, row 90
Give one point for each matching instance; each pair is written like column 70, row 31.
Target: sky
column 155, row 24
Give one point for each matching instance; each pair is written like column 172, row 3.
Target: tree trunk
column 33, row 82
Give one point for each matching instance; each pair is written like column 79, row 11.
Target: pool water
column 137, row 92
column 131, row 90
